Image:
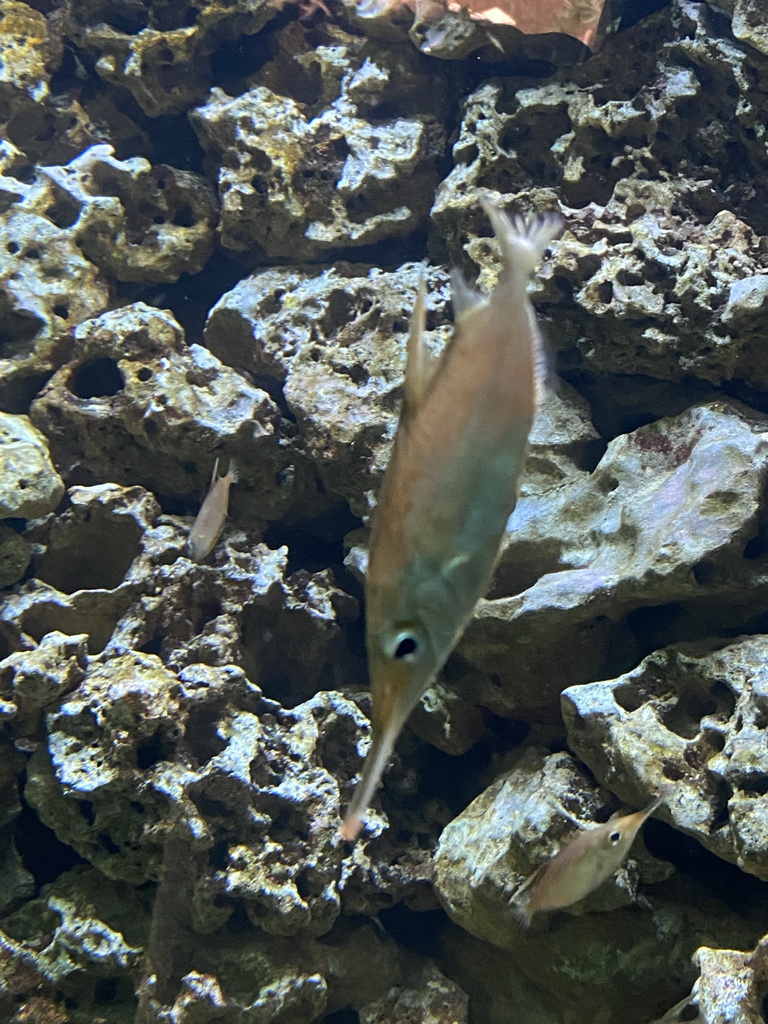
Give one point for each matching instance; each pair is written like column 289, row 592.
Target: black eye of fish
column 406, row 647
column 615, row 837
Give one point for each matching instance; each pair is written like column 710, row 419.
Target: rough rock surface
column 521, row 820
column 306, row 161
column 135, row 404
column 178, row 739
column 695, row 715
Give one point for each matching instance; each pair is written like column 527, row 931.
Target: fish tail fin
column 523, row 240
column 233, row 473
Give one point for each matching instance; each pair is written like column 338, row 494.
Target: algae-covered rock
column 134, row 221
column 694, row 715
column 640, row 951
column 29, row 484
column 297, row 180
column 137, row 405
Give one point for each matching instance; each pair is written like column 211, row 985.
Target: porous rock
column 32, row 680
column 160, row 53
column 523, row 818
column 83, row 935
column 134, row 221
column 29, row 483
column 649, row 276
column 297, row 179
column 693, row 715
column 73, row 590
column 336, row 339
column 136, row 405
column 46, row 287
column 670, row 516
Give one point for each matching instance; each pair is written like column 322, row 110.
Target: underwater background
column 214, row 217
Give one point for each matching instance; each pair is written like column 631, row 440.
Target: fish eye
column 406, row 645
column 615, row 837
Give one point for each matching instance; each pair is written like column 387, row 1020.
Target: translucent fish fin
column 233, row 472
column 214, row 474
column 421, row 364
column 523, row 240
column 373, row 769
column 464, row 297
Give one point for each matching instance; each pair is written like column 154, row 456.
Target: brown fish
column 209, row 523
column 450, row 486
column 582, row 864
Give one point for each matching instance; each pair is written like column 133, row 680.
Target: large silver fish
column 450, row 486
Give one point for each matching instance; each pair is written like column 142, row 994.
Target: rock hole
column 63, row 213
column 201, row 733
column 144, row 374
column 61, row 311
column 153, row 750
column 86, row 809
column 99, row 378
column 671, row 771
column 12, row 248
column 629, row 697
column 105, row 991
column 107, row 844
column 93, row 555
column 184, row 217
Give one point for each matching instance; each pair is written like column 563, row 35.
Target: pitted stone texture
column 137, row 747
column 670, row 516
column 660, row 270
column 29, row 484
column 32, row 680
column 427, row 996
column 135, row 222
column 135, row 404
column 730, row 987
column 695, row 715
column 520, row 820
column 336, row 339
column 46, row 287
column 160, row 52
column 84, row 935
column 354, row 166
column 25, row 48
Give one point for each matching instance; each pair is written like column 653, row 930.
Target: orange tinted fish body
column 583, row 864
column 450, row 486
column 209, row 523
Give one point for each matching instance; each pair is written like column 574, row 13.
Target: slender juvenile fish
column 208, row 525
column 450, row 486
column 582, row 864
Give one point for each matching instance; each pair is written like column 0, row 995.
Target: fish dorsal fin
column 421, row 364
column 464, row 297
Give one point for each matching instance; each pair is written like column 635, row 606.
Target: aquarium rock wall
column 214, row 220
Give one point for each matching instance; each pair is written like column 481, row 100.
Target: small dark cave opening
column 744, row 894
column 415, row 930
column 41, row 852
column 94, row 555
column 97, row 378
column 316, row 544
column 174, row 142
column 192, row 297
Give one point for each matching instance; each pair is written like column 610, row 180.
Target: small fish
column 207, row 527
column 582, row 864
column 450, row 486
